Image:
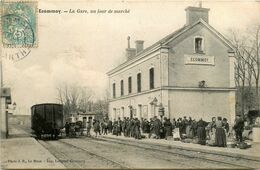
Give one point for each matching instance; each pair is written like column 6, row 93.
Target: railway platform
column 21, row 151
column 249, row 153
column 26, row 152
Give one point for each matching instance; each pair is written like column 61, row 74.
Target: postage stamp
column 19, row 24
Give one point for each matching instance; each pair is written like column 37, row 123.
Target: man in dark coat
column 226, row 125
column 146, row 126
column 162, row 129
column 201, row 132
column 132, row 128
column 142, row 124
column 185, row 123
column 96, row 126
column 102, row 127
column 67, row 128
column 239, row 128
column 119, row 128
column 115, row 126
column 190, row 120
column 137, row 132
column 168, row 128
column 157, row 126
column 194, row 127
column 110, row 126
column 174, row 123
column 127, row 125
column 151, row 125
column 181, row 125
column 178, row 123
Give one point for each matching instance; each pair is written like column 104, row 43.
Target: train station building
column 189, row 73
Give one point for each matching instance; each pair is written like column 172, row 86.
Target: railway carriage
column 47, row 119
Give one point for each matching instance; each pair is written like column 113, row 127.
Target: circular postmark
column 15, row 54
column 17, row 31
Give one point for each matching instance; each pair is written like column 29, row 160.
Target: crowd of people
column 214, row 133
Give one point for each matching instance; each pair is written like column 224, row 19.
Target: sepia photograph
column 127, row 84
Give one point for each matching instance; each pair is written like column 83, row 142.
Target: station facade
column 189, row 73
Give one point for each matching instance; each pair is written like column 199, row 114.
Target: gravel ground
column 91, row 153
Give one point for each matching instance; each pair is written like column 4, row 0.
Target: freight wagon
column 47, row 119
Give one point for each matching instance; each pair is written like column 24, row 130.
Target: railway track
column 67, row 159
column 93, row 148
column 233, row 162
column 192, row 160
column 99, row 156
column 101, row 142
column 59, row 154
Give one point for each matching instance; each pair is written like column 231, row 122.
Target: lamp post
column 14, row 105
column 131, row 111
column 161, row 111
column 154, row 104
column 1, row 73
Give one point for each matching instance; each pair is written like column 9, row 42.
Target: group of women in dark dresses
column 213, row 133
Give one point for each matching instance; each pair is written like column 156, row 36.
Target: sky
column 81, row 48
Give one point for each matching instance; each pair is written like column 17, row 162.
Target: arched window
column 139, row 82
column 114, row 90
column 122, row 87
column 129, row 85
column 151, row 76
column 199, row 45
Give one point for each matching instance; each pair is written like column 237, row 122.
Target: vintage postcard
column 125, row 84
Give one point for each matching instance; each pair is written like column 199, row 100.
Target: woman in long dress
column 210, row 128
column 211, row 132
column 220, row 134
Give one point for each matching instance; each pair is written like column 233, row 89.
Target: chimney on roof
column 130, row 52
column 139, row 45
column 193, row 14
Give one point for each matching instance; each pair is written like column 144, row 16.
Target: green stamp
column 19, row 24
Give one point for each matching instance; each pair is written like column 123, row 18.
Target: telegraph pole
column 2, row 110
column 1, row 67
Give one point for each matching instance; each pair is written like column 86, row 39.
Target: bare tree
column 85, row 99
column 256, row 65
column 74, row 98
column 100, row 107
column 252, row 51
column 247, row 67
column 241, row 68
